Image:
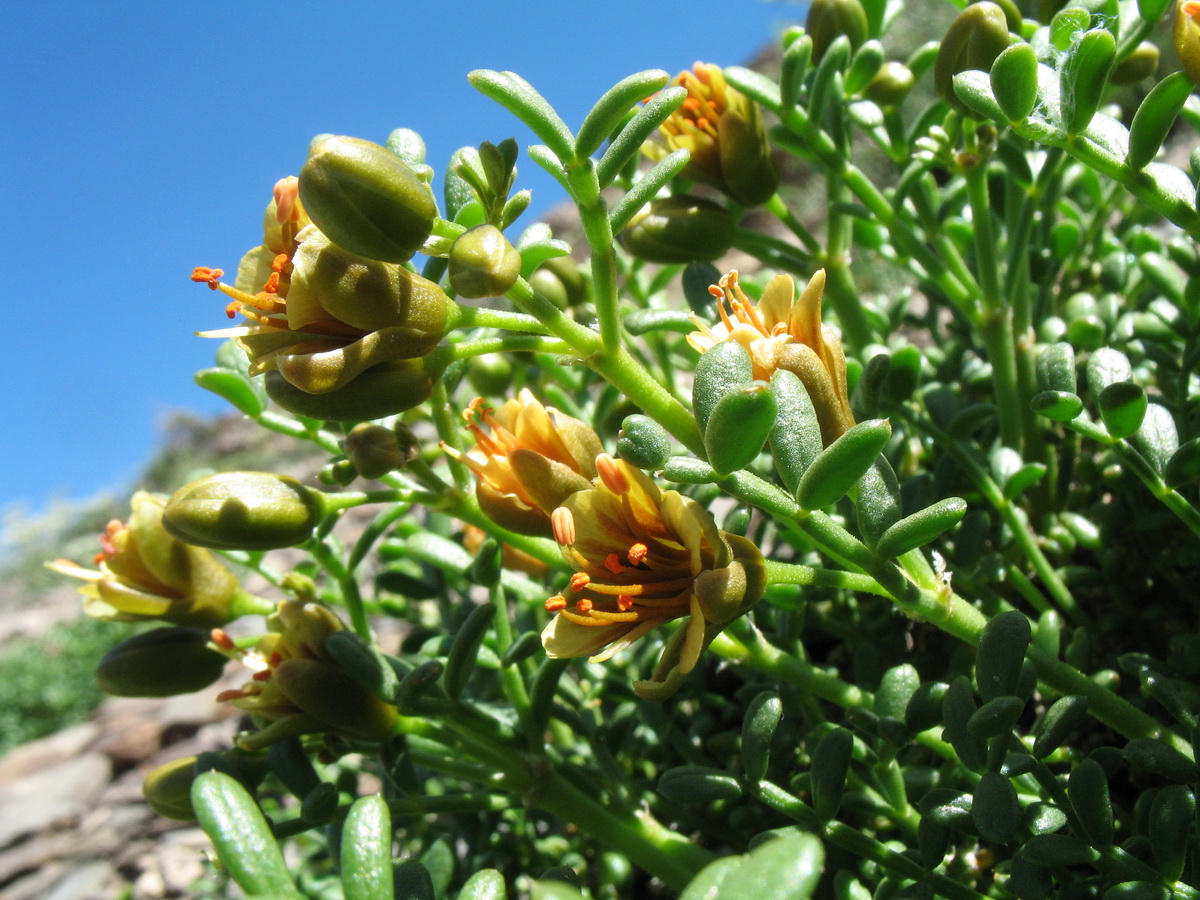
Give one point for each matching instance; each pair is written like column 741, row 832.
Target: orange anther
column 580, row 580
column 612, row 562
column 272, row 285
column 555, row 603
column 264, row 675
column 611, row 474
column 231, row 310
column 232, row 694
column 222, row 640
column 211, row 277
column 562, row 523
column 583, row 606
column 637, row 553
column 624, row 602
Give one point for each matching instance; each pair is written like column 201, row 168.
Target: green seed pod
column 642, row 442
column 1186, row 37
column 1139, row 65
column 374, row 450
column 738, row 427
column 160, row 663
column 891, row 84
column 830, row 19
column 366, row 199
column 680, row 229
column 243, row 511
column 381, row 390
column 483, row 263
column 975, row 38
column 168, row 789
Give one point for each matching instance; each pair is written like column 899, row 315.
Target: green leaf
column 1084, row 76
column 1171, row 828
column 1066, row 24
column 1154, row 118
column 1122, row 407
column 1087, row 789
column 416, row 683
column 518, row 96
column 758, row 730
column 994, row 807
column 754, row 85
column 363, row 662
column 896, row 690
column 637, row 131
column 1056, row 368
column 794, row 69
column 320, row 806
column 464, row 651
column 1184, row 465
column 1107, row 366
column 486, row 884
column 957, row 709
column 1138, row 890
column 241, row 835
column 921, row 527
column 1022, row 479
column 788, row 868
column 1056, row 724
column 864, row 65
column 1058, row 850
column 1157, row 758
column 842, row 464
column 1001, row 652
column 1152, row 10
column 698, row 784
column 292, row 766
column 830, row 766
column 642, row 442
column 738, row 426
column 1014, row 81
column 367, row 850
column 719, row 370
column 1058, row 406
column 924, row 709
column 243, row 394
column 996, row 716
column 645, row 189
column 611, row 108
column 1157, row 437
column 876, row 500
column 796, row 438
column 710, row 881
column 412, row 881
column 974, row 88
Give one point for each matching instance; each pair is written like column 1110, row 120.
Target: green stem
column 776, row 207
column 485, row 317
column 598, row 229
column 508, row 343
column 839, row 285
column 791, row 573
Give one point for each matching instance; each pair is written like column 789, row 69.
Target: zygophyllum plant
column 739, row 552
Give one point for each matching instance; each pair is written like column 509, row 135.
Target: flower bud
column 168, row 789
column 1186, row 37
column 560, row 280
column 680, row 229
column 973, row 41
column 243, row 511
column 160, row 663
column 830, row 19
column 483, row 263
column 375, row 450
column 366, row 199
column 330, row 696
column 890, row 85
column 382, row 390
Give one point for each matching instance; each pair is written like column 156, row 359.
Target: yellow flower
column 1186, row 37
column 643, row 557
column 784, row 331
column 144, row 573
column 724, row 132
column 319, row 315
column 528, row 459
column 297, row 686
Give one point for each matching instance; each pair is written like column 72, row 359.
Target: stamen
column 205, row 275
column 287, row 190
column 584, row 606
column 637, row 553
column 231, row 694
column 556, row 603
column 637, row 590
column 264, row 675
column 611, row 474
column 624, row 602
column 563, row 525
column 222, row 640
column 612, row 562
column 579, row 581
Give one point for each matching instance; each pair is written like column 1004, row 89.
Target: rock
column 46, row 752
column 56, row 796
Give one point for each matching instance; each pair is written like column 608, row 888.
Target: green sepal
column 1056, row 368
column 1153, row 120
column 698, row 784
column 921, row 527
column 840, row 465
column 1155, row 757
column 1157, row 437
column 719, row 370
column 758, row 729
column 996, row 716
column 1058, row 406
column 319, row 806
column 1056, row 724
column 830, row 766
column 486, row 884
column 1014, row 81
column 244, row 395
column 603, row 118
column 796, row 438
column 1087, row 789
column 957, row 709
column 367, row 872
column 1001, row 652
column 995, row 809
column 242, row 836
column 1084, row 76
column 363, row 662
column 1107, row 366
column 1172, row 820
column 464, row 650
column 738, row 426
column 1122, row 407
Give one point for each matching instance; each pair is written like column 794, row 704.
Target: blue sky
column 141, row 139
